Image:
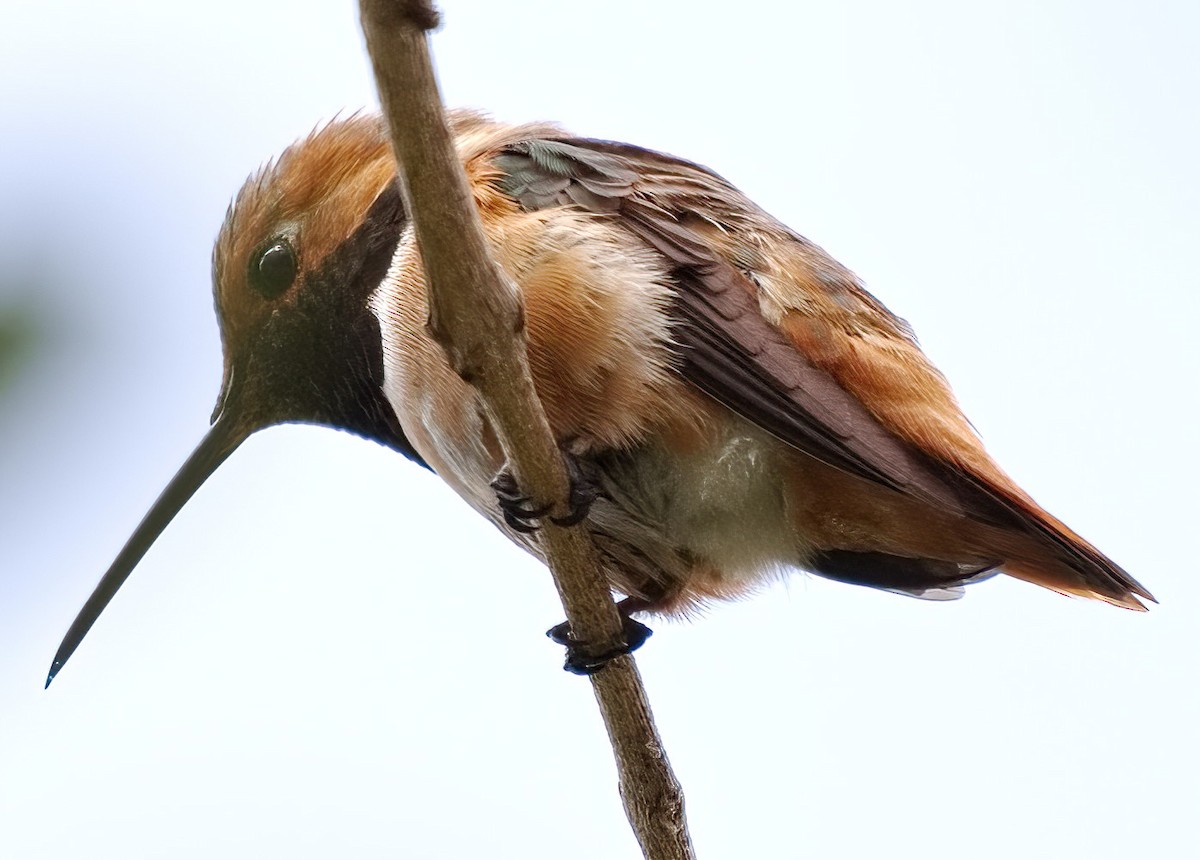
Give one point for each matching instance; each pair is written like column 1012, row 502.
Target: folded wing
column 779, row 332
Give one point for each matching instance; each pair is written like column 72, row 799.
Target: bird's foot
column 586, row 658
column 515, row 505
column 522, row 517
column 585, row 489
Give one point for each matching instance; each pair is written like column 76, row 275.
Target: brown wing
column 730, row 351
column 778, row 331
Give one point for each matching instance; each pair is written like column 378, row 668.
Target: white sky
column 328, row 655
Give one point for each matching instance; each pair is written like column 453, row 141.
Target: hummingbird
column 730, row 400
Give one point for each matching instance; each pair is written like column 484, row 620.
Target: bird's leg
column 585, row 489
column 585, row 659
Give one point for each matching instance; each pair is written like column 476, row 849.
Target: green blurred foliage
column 19, row 332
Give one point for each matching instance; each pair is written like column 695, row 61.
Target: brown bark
column 475, row 313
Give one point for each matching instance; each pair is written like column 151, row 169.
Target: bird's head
column 304, row 245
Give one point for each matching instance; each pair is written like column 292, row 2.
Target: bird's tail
column 1059, row 559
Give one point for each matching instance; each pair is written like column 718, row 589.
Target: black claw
column 585, row 489
column 580, row 501
column 505, row 485
column 636, row 634
column 584, row 660
column 518, row 526
column 560, row 634
column 522, row 518
column 515, row 506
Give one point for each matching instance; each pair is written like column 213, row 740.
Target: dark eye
column 273, row 268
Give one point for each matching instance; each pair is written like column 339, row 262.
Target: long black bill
column 220, row 441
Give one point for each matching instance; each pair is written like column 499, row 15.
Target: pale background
column 328, row 655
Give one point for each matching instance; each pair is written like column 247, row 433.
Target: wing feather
column 730, row 351
column 792, row 359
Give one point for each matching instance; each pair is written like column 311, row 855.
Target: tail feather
column 1058, row 558
column 1067, row 580
column 1070, row 565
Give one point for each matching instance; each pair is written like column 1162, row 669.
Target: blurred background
column 327, row 654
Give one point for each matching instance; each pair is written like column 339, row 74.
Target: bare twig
column 475, row 313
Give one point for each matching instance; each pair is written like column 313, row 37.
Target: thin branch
column 476, row 314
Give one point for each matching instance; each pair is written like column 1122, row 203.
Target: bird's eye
column 273, row 268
